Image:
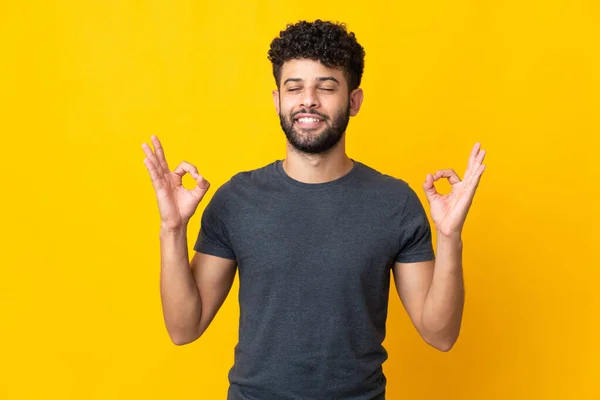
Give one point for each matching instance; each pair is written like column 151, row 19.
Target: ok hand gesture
column 176, row 204
column 449, row 211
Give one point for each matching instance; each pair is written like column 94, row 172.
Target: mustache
column 309, row 112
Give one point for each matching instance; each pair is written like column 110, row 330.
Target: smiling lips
column 308, row 121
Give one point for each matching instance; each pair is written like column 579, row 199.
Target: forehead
column 309, row 70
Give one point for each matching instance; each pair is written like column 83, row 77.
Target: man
column 315, row 238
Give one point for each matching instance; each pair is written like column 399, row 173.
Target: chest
column 312, row 237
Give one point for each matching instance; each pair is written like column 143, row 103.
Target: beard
column 310, row 141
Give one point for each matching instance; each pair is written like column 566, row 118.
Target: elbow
column 445, row 346
column 443, row 343
column 180, row 340
column 183, row 337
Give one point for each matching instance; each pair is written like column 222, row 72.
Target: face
column 314, row 105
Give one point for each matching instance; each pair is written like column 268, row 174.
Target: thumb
column 430, row 191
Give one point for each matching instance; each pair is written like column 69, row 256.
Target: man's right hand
column 176, row 204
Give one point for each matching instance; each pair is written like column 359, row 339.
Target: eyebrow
column 319, row 79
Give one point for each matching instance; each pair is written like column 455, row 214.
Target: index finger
column 160, row 153
column 447, row 173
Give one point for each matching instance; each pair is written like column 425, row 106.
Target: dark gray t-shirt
column 314, row 263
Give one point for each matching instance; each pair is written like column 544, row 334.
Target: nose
column 309, row 98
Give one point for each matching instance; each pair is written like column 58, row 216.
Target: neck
column 317, row 168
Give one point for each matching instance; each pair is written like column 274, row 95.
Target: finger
column 474, row 180
column 202, row 186
column 477, row 175
column 476, row 164
column 151, row 157
column 147, row 150
column 429, row 188
column 472, row 157
column 450, row 174
column 160, row 153
column 155, row 177
column 480, row 158
column 187, row 167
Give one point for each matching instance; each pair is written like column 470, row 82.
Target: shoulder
column 251, row 180
column 244, row 182
column 254, row 176
column 383, row 182
column 388, row 191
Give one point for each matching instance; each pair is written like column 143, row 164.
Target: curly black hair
column 324, row 41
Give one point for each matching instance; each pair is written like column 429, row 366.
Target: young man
column 315, row 238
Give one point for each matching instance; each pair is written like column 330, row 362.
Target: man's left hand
column 449, row 211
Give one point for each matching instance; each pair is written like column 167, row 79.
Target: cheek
column 285, row 108
column 335, row 105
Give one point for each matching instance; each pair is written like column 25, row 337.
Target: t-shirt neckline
column 314, row 186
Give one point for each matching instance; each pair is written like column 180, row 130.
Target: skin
column 302, row 87
column 432, row 292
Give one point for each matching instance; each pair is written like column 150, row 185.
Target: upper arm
column 415, row 261
column 412, row 280
column 214, row 277
column 214, row 263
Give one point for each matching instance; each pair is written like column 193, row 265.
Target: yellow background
column 84, row 83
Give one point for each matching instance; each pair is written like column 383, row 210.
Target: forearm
column 443, row 308
column 180, row 298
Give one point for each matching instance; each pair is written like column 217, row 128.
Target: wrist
column 452, row 238
column 173, row 229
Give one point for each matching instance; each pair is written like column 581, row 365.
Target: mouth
column 306, row 121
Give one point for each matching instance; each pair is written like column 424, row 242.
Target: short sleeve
column 212, row 237
column 415, row 232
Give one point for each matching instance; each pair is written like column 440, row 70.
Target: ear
column 356, row 99
column 276, row 100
